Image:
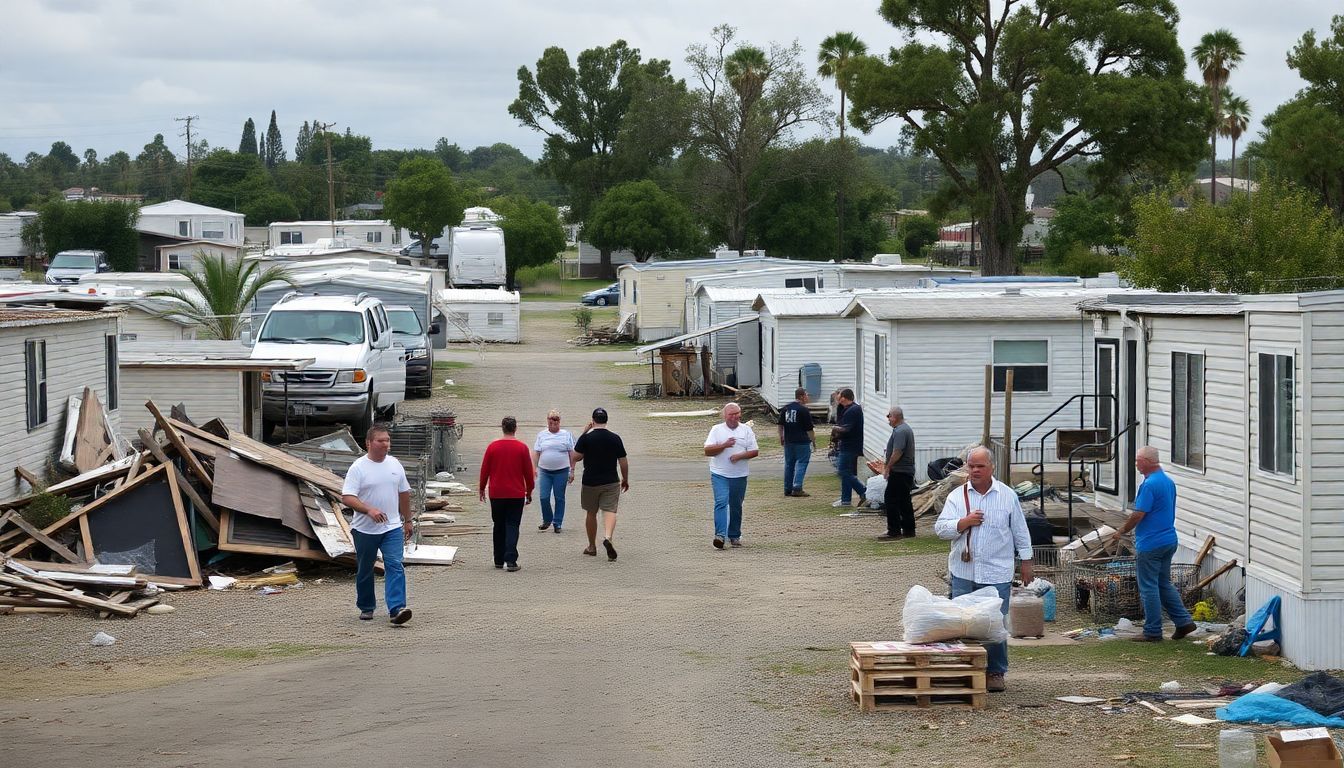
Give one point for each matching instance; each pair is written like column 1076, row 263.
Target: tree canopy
column 1001, row 99
column 640, row 217
column 532, row 234
column 424, row 199
column 104, row 225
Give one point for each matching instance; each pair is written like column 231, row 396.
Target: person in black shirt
column 601, row 452
column 797, row 436
column 850, row 440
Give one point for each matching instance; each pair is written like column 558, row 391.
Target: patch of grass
column 451, row 364
column 1150, row 664
column 267, row 652
column 866, row 545
column 465, row 390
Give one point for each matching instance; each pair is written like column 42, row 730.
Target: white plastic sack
column 976, row 616
column 875, row 490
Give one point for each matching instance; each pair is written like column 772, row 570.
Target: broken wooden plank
column 1151, row 707
column 45, row 540
column 136, row 462
column 203, row 509
column 93, row 443
column 193, row 463
column 1203, row 553
column 268, row 456
column 94, row 579
column 32, row 480
column 333, row 538
column 105, row 569
column 67, row 595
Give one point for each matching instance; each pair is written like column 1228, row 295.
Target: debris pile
column 134, row 523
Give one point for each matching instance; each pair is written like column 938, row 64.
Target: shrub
column 45, row 509
column 583, row 319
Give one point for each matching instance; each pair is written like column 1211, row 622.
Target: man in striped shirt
column 993, row 530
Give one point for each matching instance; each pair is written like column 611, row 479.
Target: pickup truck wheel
column 365, row 421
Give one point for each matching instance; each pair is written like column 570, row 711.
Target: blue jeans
column 847, row 466
column 998, row 652
column 367, row 546
column 728, row 495
column 553, row 482
column 1153, row 571
column 796, row 458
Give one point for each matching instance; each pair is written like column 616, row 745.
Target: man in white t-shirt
column 377, row 490
column 730, row 446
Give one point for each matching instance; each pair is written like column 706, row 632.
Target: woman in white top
column 550, row 455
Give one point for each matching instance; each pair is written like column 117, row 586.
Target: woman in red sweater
column 506, row 471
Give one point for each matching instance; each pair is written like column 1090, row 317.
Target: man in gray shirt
column 899, row 471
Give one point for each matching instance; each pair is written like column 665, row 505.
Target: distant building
column 1225, row 187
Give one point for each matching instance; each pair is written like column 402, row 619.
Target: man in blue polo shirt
column 1154, row 524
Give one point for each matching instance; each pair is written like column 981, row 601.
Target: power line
column 188, row 120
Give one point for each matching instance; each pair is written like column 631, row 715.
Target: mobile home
column 800, row 329
column 480, row 315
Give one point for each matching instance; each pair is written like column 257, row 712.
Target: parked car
column 437, row 246
column 357, row 371
column 68, row 266
column 603, row 296
column 409, row 333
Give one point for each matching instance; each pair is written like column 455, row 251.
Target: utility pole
column 187, row 132
column 331, row 183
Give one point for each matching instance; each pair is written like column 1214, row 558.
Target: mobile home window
column 1187, row 409
column 879, row 363
column 212, row 230
column 373, row 237
column 174, row 261
column 110, row 360
column 808, row 284
column 1028, row 360
column 184, row 228
column 291, row 238
column 494, row 318
column 35, row 368
column 1276, row 413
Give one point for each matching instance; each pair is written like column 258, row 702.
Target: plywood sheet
column 253, row 489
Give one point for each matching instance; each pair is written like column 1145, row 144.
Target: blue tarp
column 1269, row 709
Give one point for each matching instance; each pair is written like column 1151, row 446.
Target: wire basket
column 1109, row 589
column 645, row 391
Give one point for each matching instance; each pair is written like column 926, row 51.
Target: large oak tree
column 1014, row 88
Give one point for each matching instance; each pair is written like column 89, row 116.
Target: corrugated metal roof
column 22, row 317
column 677, row 340
column 477, row 296
column 1150, row 303
column 97, row 301
column 937, row 304
column 721, row 293
column 226, row 355
column 806, row 304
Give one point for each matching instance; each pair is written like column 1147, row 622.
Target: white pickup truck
column 357, row 372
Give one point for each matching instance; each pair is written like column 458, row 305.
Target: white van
column 357, row 372
column 476, row 257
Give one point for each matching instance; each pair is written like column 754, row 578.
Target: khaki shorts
column 603, row 497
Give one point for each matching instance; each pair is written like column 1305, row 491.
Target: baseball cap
column 600, row 415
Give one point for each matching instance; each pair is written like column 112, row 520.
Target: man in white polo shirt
column 730, row 446
column 984, row 520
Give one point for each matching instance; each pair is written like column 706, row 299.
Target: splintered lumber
column 274, row 458
column 333, row 538
column 28, row 477
column 45, row 540
column 193, row 463
column 1203, row 553
column 105, row 569
column 204, row 510
column 68, row 595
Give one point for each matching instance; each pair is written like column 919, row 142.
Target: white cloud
column 156, row 91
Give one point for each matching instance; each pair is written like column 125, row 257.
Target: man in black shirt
column 850, row 440
column 601, row 452
column 797, row 436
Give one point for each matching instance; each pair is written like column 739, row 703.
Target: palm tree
column 225, row 288
column 836, row 52
column 747, row 69
column 1217, row 54
column 1236, row 119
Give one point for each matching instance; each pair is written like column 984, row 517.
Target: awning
column 676, row 341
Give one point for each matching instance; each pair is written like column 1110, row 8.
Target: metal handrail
column 1075, row 451
column 1082, row 416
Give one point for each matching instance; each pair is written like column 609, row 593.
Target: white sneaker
column 838, row 503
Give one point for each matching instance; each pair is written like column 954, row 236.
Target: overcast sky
column 109, row 75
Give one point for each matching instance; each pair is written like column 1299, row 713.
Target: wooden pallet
column 907, row 702
column 917, row 681
column 901, row 656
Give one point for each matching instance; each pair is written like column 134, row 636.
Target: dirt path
column 676, row 655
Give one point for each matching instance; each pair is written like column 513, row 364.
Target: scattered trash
column 221, row 582
column 449, row 382
column 1236, row 749
column 1171, row 686
column 160, row 609
column 1080, row 699
column 270, row 590
column 102, row 639
column 1189, row 719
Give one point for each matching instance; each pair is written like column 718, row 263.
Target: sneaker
column 994, row 683
column 801, row 494
column 788, row 493
column 1146, row 639
column 556, row 529
column 401, row 617
column 735, row 542
column 590, row 551
column 366, row 615
column 511, row 567
column 718, row 542
column 838, row 503
column 890, row 536
column 543, row 526
column 1183, row 631
column 611, row 551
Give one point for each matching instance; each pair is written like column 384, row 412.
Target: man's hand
column 571, row 477
column 376, row 515
column 529, row 500
column 625, row 485
column 970, row 521
column 482, row 495
column 408, row 529
column 729, row 443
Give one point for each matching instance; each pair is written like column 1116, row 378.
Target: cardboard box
column 1305, row 753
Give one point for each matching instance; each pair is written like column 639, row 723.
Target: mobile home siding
column 828, row 341
column 76, row 357
column 137, row 326
column 207, row 394
column 875, row 404
column 1204, row 495
column 1325, row 543
column 1311, row 625
column 1274, row 529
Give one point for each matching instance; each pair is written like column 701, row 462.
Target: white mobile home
column 186, row 255
column 809, row 277
column 801, row 329
column 888, row 276
column 46, row 357
column 589, row 263
column 212, row 379
column 480, row 314
column 926, row 351
column 366, row 233
column 142, row 319
column 655, row 292
column 12, row 248
column 735, row 351
column 1242, row 397
column 189, row 221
